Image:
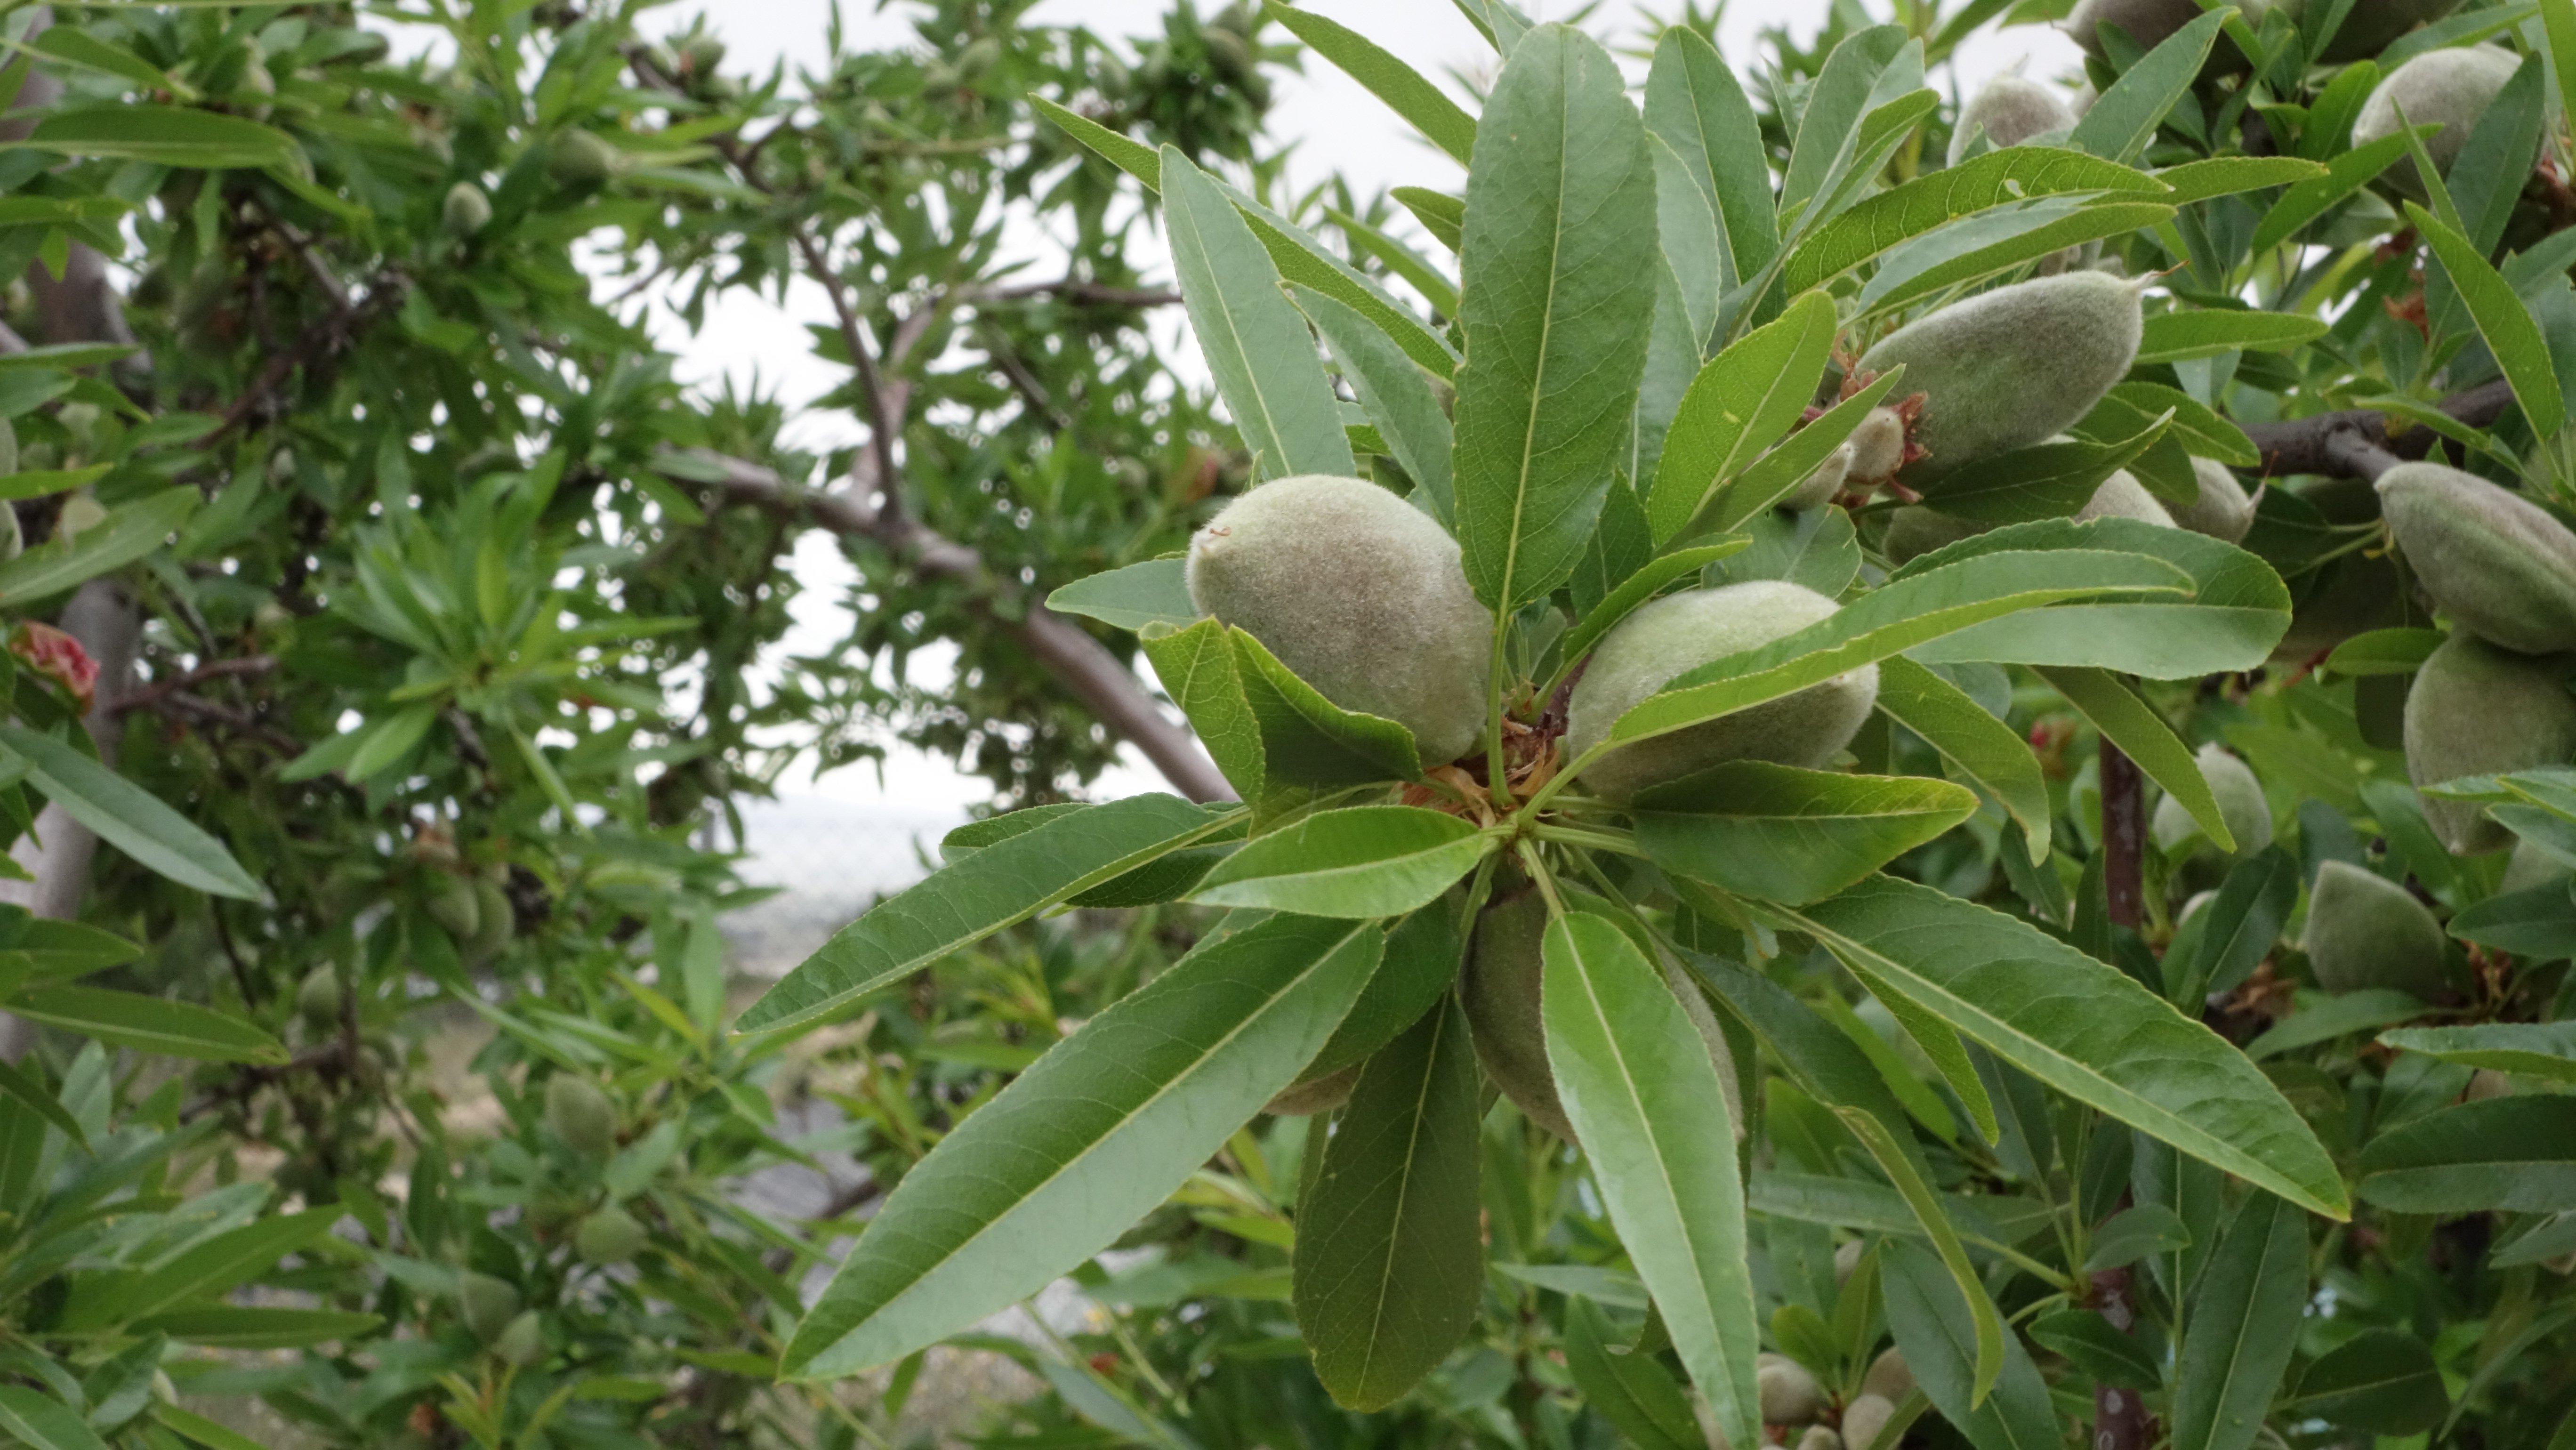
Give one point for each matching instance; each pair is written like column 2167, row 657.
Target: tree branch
column 2364, row 442
column 1080, row 663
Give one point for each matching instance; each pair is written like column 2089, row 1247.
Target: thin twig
column 217, row 670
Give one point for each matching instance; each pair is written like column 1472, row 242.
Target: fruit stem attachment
column 1620, row 842
column 1539, row 876
column 1498, row 768
column 1562, row 778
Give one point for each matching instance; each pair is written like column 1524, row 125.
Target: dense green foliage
column 2008, row 880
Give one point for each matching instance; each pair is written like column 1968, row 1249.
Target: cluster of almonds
column 1794, row 1403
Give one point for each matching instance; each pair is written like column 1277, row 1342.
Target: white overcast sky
column 1333, row 122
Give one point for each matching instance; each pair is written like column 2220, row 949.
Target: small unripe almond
column 522, row 1342
column 609, row 1236
column 2487, row 1083
column 454, row 906
column 2498, row 564
column 495, row 920
column 2007, row 111
column 580, row 158
column 486, row 1304
column 2223, row 510
column 1499, row 992
column 2366, row 931
column 2530, row 866
column 1680, row 632
column 1888, row 1377
column 317, row 1000
column 1914, row 530
column 1846, row 1259
column 2011, row 367
column 2146, row 22
column 2479, row 710
column 1789, row 1394
column 1818, row 488
column 1361, row 595
column 2448, row 88
column 2240, row 804
column 1819, row 1437
column 2121, row 496
column 466, row 211
column 1878, row 446
column 581, row 1114
column 1864, row 1418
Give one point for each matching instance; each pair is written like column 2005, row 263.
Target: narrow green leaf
column 1642, row 1093
column 2502, row 320
column 996, row 887
column 2044, row 480
column 1978, row 247
column 2218, row 176
column 208, row 1270
column 2558, row 22
column 1739, row 405
column 1307, row 739
column 1627, row 1387
column 127, row 816
column 1255, row 343
column 1559, row 255
column 2122, row 120
column 2516, row 1153
column 41, row 1422
column 1773, row 474
column 2539, row 922
column 1638, row 588
column 2237, row 613
column 1935, row 1330
column 2345, row 174
column 2532, row 1049
column 1396, row 394
column 2239, row 928
column 1364, row 861
column 1975, row 743
column 1436, row 286
column 1389, row 1263
column 2202, row 431
column 235, row 1326
column 1901, row 213
column 2323, row 1018
column 1988, row 1324
column 160, row 135
column 1420, row 964
column 1086, row 1141
column 148, row 1024
column 2209, row 331
column 1132, row 598
column 2079, row 1026
column 1779, row 833
column 1828, row 130
column 1442, row 215
column 1197, row 668
column 2134, row 726
column 210, row 1433
column 1907, row 612
column 1404, row 90
column 1821, row 1061
column 2380, row 1381
column 132, row 530
column 1697, row 107
column 2242, row 1326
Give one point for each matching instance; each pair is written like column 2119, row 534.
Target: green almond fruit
column 1361, row 595
column 610, row 1236
column 466, row 211
column 2011, row 367
column 1818, row 488
column 486, row 1304
column 2447, row 88
column 1888, row 1377
column 2499, row 565
column 2530, row 866
column 2366, row 931
column 1788, row 1393
column 2241, row 805
column 581, row 1115
column 2149, row 23
column 1878, row 446
column 2223, row 509
column 1864, row 1418
column 318, row 999
column 2121, row 496
column 1679, row 633
column 496, row 921
column 454, row 905
column 522, row 1342
column 2007, row 111
column 1499, row 991
column 2479, row 710
column 581, row 158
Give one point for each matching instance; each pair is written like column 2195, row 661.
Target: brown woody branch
column 2364, row 442
column 159, row 690
column 1083, row 665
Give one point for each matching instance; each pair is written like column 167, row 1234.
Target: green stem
column 1539, row 875
column 1620, row 842
column 1565, row 777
